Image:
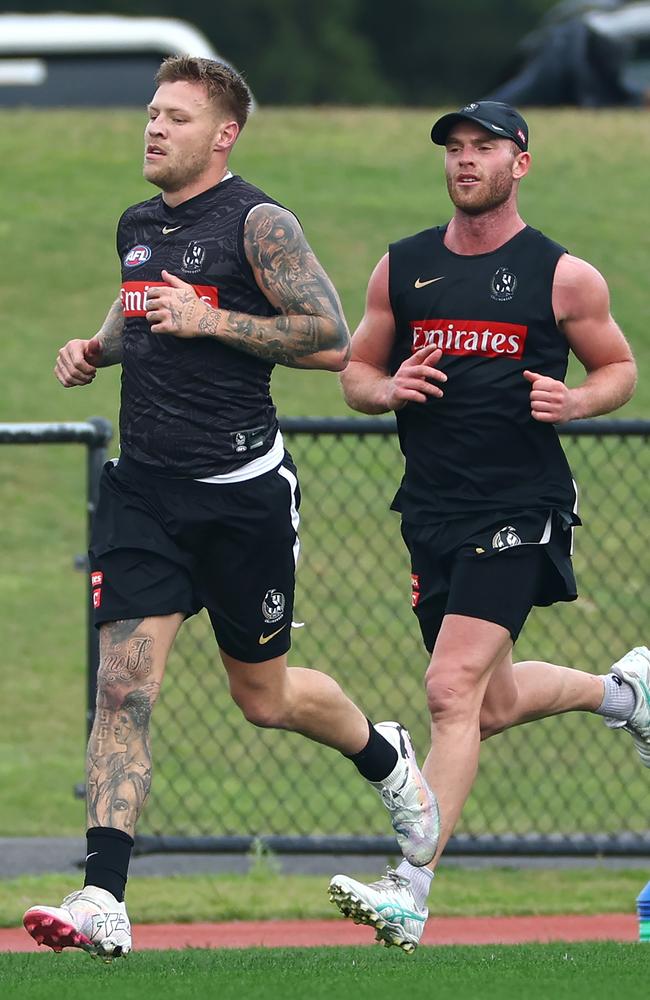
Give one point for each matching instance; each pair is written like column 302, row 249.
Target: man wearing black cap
column 499, row 119
column 466, row 336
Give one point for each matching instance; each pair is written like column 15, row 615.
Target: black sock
column 107, row 859
column 377, row 759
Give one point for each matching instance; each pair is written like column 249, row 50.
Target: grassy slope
column 357, row 179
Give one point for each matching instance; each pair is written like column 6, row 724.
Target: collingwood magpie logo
column 503, row 286
column 506, row 538
column 273, row 606
column 193, row 257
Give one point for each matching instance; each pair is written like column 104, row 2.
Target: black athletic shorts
column 160, row 546
column 495, row 567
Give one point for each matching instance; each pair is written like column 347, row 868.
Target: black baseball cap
column 501, row 119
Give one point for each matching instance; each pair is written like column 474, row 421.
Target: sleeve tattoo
column 293, row 281
column 110, row 335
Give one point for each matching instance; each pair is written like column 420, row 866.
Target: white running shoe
column 634, row 668
column 387, row 905
column 412, row 805
column 90, row 918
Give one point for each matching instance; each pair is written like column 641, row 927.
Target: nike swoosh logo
column 166, row 230
column 263, row 639
column 420, row 284
column 94, row 854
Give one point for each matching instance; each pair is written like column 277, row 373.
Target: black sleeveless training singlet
column 192, row 408
column 478, row 448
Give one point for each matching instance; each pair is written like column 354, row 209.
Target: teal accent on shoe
column 645, row 688
column 399, row 914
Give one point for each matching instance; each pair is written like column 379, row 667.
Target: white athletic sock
column 420, row 879
column 619, row 700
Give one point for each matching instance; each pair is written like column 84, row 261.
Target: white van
column 89, row 59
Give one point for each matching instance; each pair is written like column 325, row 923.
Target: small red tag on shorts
column 97, row 597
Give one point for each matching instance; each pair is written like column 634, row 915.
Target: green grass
column 537, row 972
column 357, row 179
column 457, row 892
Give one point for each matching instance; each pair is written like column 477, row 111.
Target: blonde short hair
column 225, row 87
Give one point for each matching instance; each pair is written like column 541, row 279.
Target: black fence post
column 95, row 461
column 95, row 434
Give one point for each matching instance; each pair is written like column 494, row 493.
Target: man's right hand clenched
column 76, row 363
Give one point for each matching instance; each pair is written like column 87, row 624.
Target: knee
column 114, row 694
column 261, row 710
column 451, row 690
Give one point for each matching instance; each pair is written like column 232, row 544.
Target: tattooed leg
column 133, row 655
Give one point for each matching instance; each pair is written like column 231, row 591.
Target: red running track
column 311, row 933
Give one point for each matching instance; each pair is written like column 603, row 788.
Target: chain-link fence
column 566, row 783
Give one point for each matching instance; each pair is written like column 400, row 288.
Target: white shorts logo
column 506, row 538
column 273, row 606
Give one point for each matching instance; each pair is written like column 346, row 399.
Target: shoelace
column 403, row 812
column 391, row 797
column 392, row 880
column 72, row 896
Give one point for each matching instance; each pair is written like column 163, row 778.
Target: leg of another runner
column 273, row 695
column 133, row 655
column 466, row 653
column 528, row 690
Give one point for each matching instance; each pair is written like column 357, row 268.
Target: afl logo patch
column 506, row 538
column 503, row 286
column 137, row 256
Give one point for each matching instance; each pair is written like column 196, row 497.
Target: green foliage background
column 421, row 52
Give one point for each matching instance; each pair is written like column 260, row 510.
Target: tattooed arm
column 77, row 362
column 310, row 333
column 110, row 336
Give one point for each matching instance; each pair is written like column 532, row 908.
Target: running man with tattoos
column 201, row 509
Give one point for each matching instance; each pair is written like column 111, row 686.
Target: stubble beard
column 174, row 176
column 497, row 193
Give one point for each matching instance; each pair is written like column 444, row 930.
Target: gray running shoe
column 387, row 905
column 412, row 805
column 634, row 668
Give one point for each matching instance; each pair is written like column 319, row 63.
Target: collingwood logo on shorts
column 193, row 257
column 273, row 606
column 506, row 538
column 503, row 286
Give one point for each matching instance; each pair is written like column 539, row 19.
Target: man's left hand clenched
column 174, row 308
column 551, row 401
